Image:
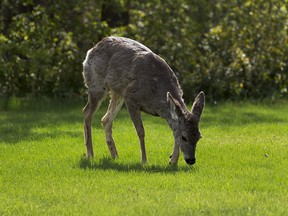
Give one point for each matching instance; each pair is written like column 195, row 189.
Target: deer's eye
column 184, row 138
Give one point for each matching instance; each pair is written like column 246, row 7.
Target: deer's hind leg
column 95, row 98
column 115, row 105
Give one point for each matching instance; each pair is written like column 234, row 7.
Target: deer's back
column 134, row 71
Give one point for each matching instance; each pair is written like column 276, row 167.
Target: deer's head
column 186, row 129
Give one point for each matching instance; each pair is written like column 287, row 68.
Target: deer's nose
column 190, row 161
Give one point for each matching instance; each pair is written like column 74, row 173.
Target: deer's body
column 133, row 74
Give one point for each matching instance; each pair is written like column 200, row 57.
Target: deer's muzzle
column 190, row 161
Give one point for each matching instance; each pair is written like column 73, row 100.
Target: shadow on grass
column 19, row 119
column 240, row 115
column 19, row 122
column 20, row 126
column 110, row 164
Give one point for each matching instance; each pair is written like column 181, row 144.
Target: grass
column 241, row 164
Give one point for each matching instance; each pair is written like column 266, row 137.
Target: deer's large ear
column 175, row 107
column 198, row 106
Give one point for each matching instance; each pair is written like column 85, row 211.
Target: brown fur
column 133, row 74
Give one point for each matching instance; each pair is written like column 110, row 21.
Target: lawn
column 241, row 166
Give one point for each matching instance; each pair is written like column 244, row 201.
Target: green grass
column 241, row 164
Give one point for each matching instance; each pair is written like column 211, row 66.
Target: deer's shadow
column 107, row 163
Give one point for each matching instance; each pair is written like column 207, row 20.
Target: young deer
column 133, row 74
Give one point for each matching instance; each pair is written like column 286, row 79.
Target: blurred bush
column 230, row 49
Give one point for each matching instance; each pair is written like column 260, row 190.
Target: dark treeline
column 231, row 49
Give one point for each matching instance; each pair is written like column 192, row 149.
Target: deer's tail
column 89, row 74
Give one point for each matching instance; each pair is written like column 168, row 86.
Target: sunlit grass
column 240, row 169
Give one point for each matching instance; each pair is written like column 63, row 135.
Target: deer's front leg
column 136, row 118
column 175, row 155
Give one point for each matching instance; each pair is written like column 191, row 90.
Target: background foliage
column 230, row 49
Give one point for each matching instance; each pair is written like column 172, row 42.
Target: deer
column 132, row 74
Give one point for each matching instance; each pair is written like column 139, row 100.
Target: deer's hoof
column 173, row 163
